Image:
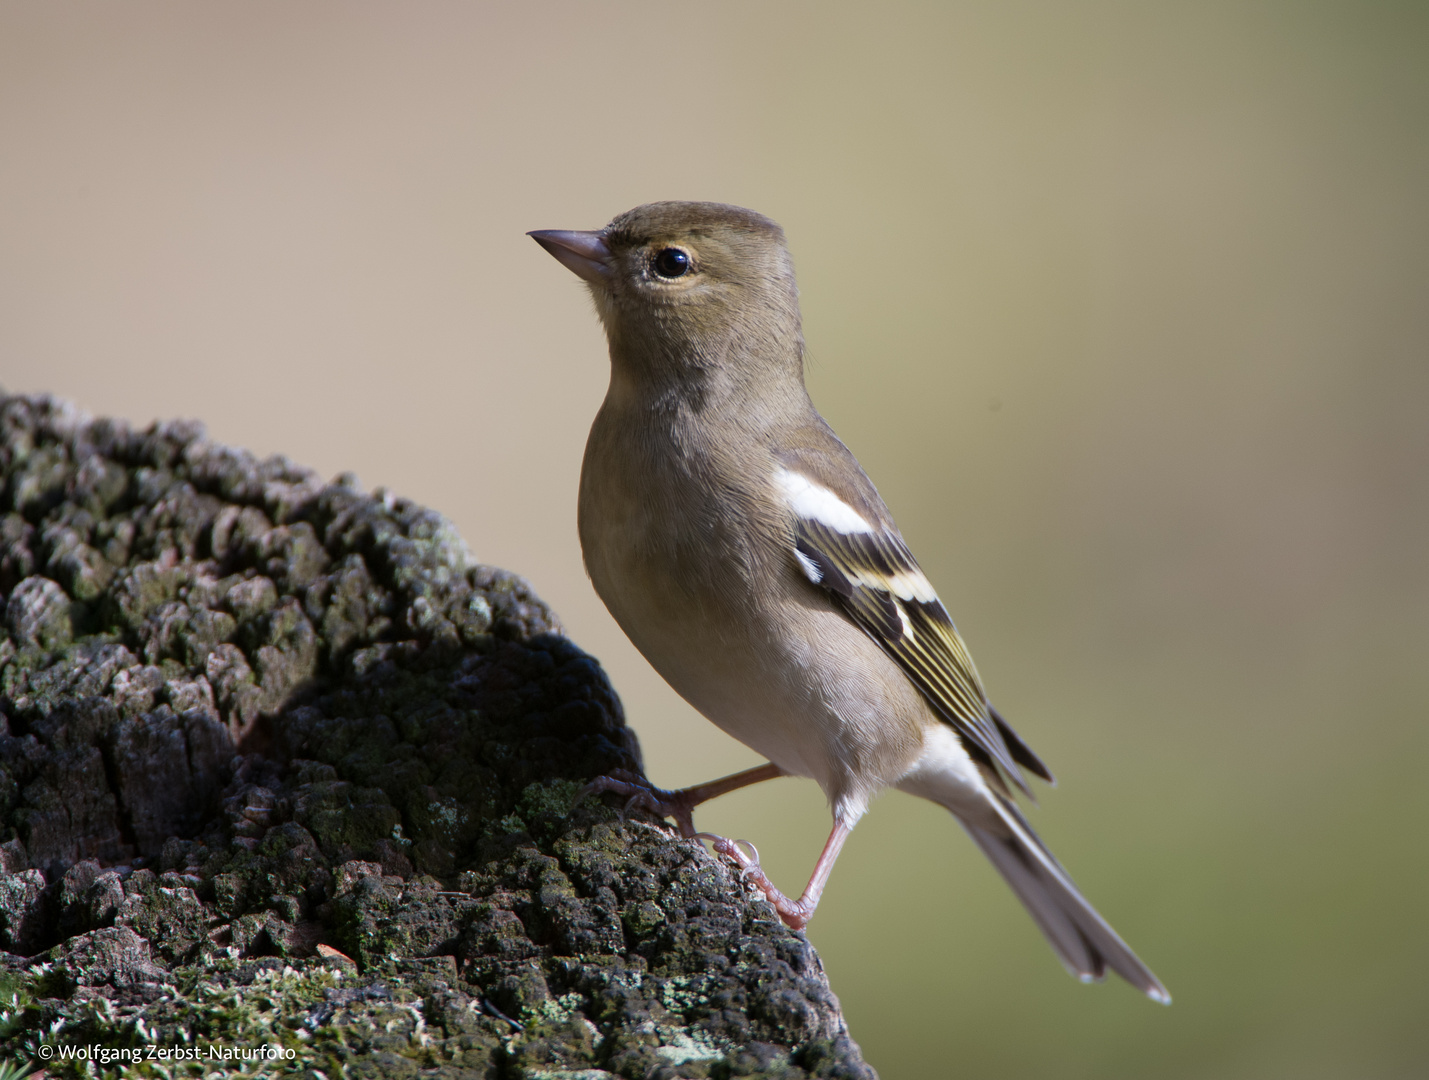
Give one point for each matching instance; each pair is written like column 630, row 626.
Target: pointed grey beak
column 585, row 254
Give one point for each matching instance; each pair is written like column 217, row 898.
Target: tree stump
column 287, row 776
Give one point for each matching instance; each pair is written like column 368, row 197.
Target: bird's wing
column 869, row 571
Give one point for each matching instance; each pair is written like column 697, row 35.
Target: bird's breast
column 661, row 532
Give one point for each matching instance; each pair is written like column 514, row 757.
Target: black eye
column 671, row 263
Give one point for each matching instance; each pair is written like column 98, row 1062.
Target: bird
column 741, row 547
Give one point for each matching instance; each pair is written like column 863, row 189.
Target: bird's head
column 684, row 287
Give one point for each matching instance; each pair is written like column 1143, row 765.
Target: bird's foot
column 794, row 913
column 642, row 795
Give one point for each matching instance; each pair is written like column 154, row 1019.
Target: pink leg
column 795, row 913
column 681, row 803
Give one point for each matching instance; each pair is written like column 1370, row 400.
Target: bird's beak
column 586, row 254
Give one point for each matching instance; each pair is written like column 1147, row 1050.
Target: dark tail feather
column 1083, row 941
column 1020, row 751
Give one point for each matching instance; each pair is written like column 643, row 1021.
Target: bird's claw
column 642, row 795
column 748, row 865
column 792, row 912
column 617, row 780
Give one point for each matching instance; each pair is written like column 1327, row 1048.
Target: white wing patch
column 908, row 585
column 810, row 568
column 817, row 503
column 905, row 585
column 907, row 622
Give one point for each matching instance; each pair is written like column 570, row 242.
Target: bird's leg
column 681, row 803
column 795, row 913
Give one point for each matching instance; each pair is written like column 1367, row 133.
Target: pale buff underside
column 780, row 669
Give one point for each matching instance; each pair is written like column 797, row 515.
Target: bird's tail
column 1081, row 938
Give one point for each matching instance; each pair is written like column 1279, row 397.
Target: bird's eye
column 671, row 263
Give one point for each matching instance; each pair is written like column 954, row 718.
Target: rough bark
column 281, row 765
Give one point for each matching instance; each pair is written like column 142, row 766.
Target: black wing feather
column 860, row 570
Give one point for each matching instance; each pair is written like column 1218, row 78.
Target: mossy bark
column 282, row 766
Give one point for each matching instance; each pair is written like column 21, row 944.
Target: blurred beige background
column 1124, row 306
